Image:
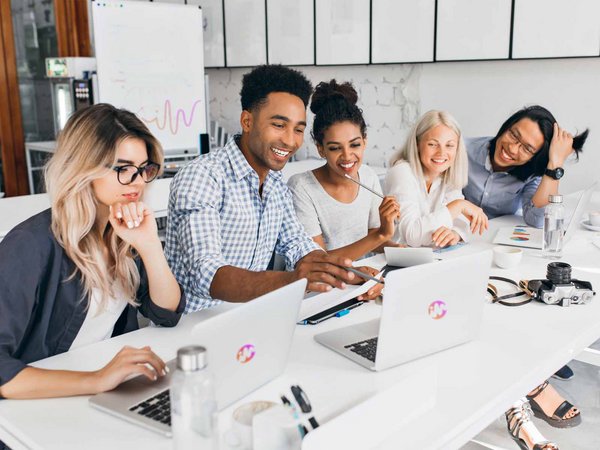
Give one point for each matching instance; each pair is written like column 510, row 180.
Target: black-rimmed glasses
column 526, row 148
column 127, row 174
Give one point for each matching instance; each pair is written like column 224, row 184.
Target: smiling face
column 108, row 190
column 343, row 147
column 273, row 132
column 437, row 150
column 517, row 145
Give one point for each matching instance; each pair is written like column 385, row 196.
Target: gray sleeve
column 305, row 205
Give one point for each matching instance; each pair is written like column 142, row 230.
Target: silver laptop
column 247, row 347
column 529, row 237
column 407, row 257
column 419, row 317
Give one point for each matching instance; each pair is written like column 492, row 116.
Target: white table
column 461, row 389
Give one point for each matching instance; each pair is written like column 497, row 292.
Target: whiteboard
column 214, row 44
column 147, row 68
column 402, row 31
column 245, row 33
column 342, row 29
column 291, row 32
column 555, row 28
column 473, row 29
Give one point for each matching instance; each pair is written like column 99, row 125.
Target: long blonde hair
column 86, row 150
column 457, row 175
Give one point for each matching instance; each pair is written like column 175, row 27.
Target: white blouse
column 421, row 212
column 99, row 321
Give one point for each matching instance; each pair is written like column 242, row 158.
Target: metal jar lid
column 191, row 358
column 556, row 198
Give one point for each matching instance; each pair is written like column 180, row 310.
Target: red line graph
column 168, row 119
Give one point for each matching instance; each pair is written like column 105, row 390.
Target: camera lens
column 559, row 273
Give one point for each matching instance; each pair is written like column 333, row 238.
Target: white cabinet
column 342, row 30
column 245, row 33
column 212, row 18
column 402, row 31
column 291, row 32
column 473, row 29
column 555, row 28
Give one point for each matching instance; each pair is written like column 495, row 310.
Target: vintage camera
column 559, row 288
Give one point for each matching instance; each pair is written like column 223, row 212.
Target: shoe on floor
column 564, row 373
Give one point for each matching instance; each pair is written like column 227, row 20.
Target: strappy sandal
column 558, row 419
column 519, row 416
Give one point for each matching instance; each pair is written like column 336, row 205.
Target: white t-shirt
column 99, row 322
column 421, row 212
column 340, row 224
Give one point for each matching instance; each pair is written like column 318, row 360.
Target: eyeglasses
column 525, row 148
column 128, row 173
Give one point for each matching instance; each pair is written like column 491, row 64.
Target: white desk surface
column 462, row 389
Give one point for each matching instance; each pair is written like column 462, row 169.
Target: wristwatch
column 555, row 174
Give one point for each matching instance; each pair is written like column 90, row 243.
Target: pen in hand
column 366, row 187
column 363, row 275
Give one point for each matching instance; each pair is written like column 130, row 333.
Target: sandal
column 519, row 416
column 557, row 419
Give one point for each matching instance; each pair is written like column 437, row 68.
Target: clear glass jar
column 554, row 229
column 193, row 403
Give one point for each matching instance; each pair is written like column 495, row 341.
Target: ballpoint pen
column 362, row 185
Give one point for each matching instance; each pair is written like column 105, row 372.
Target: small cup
column 276, row 429
column 242, row 422
column 595, row 218
column 507, row 257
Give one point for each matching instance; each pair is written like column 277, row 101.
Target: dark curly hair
column 332, row 103
column 545, row 120
column 262, row 80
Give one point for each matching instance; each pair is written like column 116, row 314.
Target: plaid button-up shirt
column 217, row 217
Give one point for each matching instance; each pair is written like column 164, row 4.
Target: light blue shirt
column 499, row 193
column 217, row 217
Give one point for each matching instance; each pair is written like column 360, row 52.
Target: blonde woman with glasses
column 80, row 271
column 427, row 177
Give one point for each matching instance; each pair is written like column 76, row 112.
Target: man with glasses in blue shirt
column 230, row 211
column 521, row 166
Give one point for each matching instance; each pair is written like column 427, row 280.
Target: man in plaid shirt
column 230, row 211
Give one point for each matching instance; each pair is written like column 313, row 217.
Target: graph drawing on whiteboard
column 150, row 61
column 170, row 121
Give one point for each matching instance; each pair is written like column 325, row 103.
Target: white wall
column 481, row 95
column 388, row 95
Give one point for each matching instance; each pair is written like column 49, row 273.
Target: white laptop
column 246, row 347
column 419, row 317
column 529, row 237
column 407, row 257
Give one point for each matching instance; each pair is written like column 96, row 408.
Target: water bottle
column 193, row 404
column 554, row 230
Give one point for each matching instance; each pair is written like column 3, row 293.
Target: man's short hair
column 262, row 80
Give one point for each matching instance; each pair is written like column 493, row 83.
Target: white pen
column 362, row 185
column 363, row 275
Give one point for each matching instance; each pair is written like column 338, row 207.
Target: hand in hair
column 129, row 361
column 389, row 212
column 443, row 237
column 561, row 146
column 474, row 214
column 134, row 223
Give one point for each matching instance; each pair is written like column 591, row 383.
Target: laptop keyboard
column 366, row 349
column 156, row 408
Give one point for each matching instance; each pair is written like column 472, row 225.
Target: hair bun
column 332, row 92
